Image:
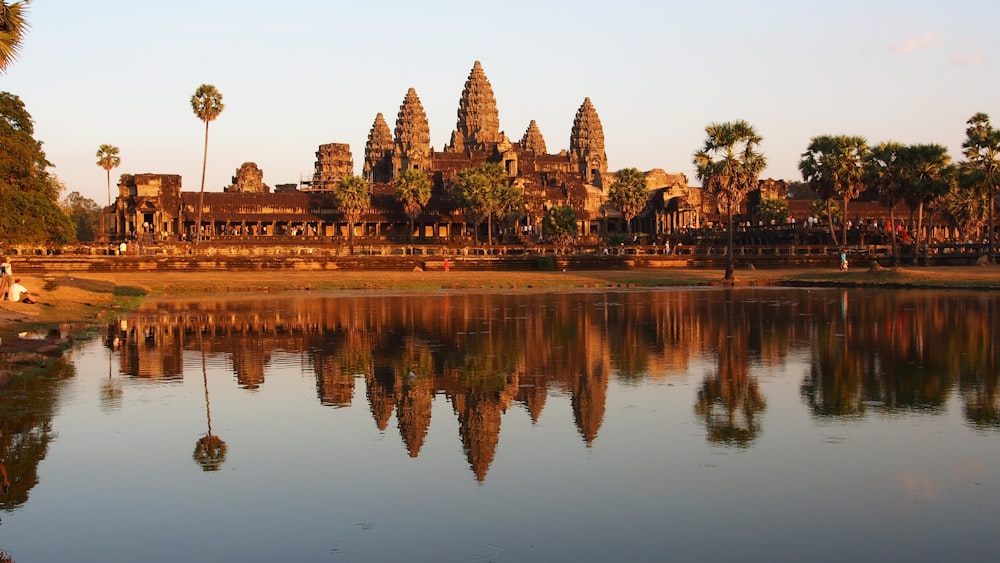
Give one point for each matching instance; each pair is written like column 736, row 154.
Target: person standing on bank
column 6, row 275
column 843, row 261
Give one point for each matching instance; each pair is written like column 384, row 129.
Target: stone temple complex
column 153, row 204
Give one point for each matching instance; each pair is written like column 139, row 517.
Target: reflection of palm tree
column 210, row 450
column 731, row 401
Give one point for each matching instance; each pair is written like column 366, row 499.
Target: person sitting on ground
column 18, row 292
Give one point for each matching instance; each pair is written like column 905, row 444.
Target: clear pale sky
column 297, row 74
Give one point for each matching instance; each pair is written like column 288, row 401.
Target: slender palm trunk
column 916, row 239
column 892, row 229
column 992, row 244
column 829, row 222
column 109, row 186
column 489, row 229
column 411, row 229
column 730, row 260
column 201, row 196
column 843, row 222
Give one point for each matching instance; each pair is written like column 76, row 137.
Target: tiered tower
column 586, row 144
column 333, row 164
column 378, row 152
column 533, row 140
column 478, row 125
column 413, row 136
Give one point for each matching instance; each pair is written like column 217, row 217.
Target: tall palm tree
column 928, row 176
column 107, row 158
column 834, row 166
column 353, row 197
column 982, row 166
column 207, row 105
column 884, row 171
column 628, row 194
column 13, row 27
column 413, row 190
column 729, row 167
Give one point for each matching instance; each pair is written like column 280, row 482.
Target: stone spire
column 413, row 135
column 586, row 144
column 378, row 152
column 478, row 125
column 533, row 140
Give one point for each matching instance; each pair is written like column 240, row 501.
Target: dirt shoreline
column 69, row 304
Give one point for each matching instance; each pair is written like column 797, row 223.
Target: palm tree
column 628, row 194
column 472, row 191
column 884, row 171
column 353, row 197
column 834, row 166
column 982, row 166
column 729, row 167
column 107, row 158
column 928, row 176
column 207, row 105
column 413, row 190
column 13, row 27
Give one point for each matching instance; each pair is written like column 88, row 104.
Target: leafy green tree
column 967, row 203
column 207, row 105
column 13, row 27
column 352, row 197
column 628, row 194
column 85, row 215
column 982, row 165
column 107, row 158
column 884, row 171
column 559, row 225
column 729, row 167
column 834, row 166
column 509, row 205
column 772, row 211
column 471, row 192
column 413, row 190
column 928, row 176
column 29, row 195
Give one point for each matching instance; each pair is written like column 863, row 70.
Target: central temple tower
column 478, row 127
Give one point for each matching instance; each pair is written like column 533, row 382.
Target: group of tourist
column 10, row 287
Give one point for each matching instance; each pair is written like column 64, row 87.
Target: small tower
column 378, row 152
column 413, row 136
column 533, row 140
column 586, row 144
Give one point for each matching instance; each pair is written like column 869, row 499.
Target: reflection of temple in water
column 488, row 353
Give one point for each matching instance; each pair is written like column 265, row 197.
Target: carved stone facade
column 378, row 152
column 413, row 136
column 533, row 140
column 478, row 126
column 586, row 143
column 248, row 179
column 333, row 164
column 577, row 177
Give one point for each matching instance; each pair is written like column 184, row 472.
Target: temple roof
column 533, row 140
column 413, row 134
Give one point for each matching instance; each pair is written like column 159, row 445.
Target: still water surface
column 638, row 425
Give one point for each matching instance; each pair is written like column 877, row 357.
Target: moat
column 593, row 425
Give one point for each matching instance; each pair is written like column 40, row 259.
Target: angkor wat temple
column 153, row 205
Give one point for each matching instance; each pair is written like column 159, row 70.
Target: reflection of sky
column 301, row 479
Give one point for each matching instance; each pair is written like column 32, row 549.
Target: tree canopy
column 207, row 105
column 834, row 166
column 981, row 169
column 413, row 190
column 628, row 194
column 352, row 197
column 729, row 165
column 29, row 212
column 13, row 27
